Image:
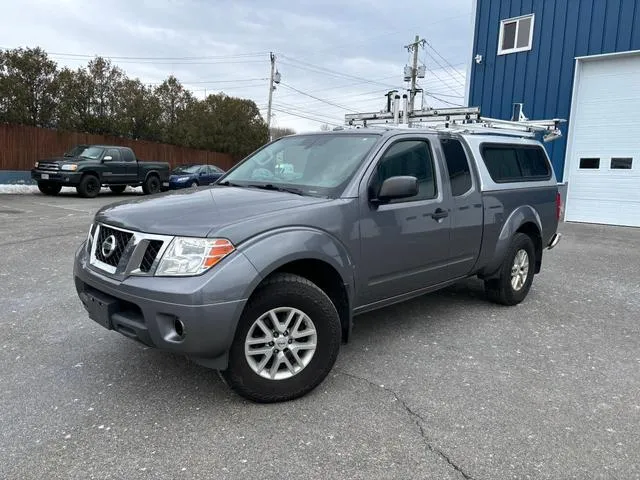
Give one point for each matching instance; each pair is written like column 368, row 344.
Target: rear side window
column 127, row 155
column 457, row 165
column 515, row 163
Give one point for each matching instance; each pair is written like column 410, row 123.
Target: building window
column 621, row 163
column 590, row 163
column 516, row 34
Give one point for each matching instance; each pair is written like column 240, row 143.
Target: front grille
column 150, row 255
column 48, row 166
column 111, row 256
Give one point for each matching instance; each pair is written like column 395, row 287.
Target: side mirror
column 397, row 187
column 107, row 158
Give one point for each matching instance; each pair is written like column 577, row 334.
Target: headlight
column 193, row 256
column 182, row 179
column 36, row 164
column 71, row 167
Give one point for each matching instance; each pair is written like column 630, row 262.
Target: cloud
column 346, row 53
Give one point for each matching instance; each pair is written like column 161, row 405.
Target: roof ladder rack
column 459, row 119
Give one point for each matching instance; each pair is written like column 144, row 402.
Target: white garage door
column 603, row 169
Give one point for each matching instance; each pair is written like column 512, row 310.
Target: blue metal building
column 536, row 51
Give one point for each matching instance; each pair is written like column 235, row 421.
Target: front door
column 404, row 243
column 116, row 168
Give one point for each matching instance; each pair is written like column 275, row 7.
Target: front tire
column 49, row 188
column 516, row 273
column 151, row 185
column 89, row 186
column 286, row 342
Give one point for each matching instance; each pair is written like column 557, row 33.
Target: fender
column 271, row 250
column 151, row 172
column 520, row 216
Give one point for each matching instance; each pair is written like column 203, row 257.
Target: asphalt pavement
column 444, row 386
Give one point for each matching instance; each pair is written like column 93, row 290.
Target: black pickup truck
column 88, row 167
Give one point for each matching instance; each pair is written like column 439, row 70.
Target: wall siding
column 542, row 78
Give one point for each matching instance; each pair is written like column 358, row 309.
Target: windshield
column 75, row 151
column 186, row 169
column 91, row 153
column 314, row 164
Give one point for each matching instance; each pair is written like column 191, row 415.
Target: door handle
column 439, row 214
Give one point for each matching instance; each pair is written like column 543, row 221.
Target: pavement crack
column 417, row 418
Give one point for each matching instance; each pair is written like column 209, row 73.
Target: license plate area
column 45, row 176
column 101, row 307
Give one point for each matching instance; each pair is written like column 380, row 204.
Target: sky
column 334, row 57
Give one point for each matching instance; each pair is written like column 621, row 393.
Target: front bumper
column 172, row 314
column 59, row 177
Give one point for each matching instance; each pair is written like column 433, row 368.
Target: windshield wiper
column 227, row 183
column 278, row 188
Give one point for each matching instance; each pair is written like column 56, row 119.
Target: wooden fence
column 21, row 146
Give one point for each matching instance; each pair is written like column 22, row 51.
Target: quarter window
column 516, row 34
column 457, row 165
column 412, row 158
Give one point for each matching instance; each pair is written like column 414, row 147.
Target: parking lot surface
column 444, row 386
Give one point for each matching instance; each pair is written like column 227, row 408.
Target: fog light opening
column 178, row 326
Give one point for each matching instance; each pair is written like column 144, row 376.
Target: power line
column 316, row 98
column 115, row 57
column 444, row 69
column 303, row 111
column 304, row 116
column 444, row 59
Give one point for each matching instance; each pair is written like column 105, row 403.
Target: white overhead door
column 603, row 159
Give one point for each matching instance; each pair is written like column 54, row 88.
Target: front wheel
column 49, row 188
column 89, row 186
column 286, row 342
column 516, row 273
column 151, row 185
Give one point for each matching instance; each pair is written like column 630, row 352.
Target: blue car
column 186, row 176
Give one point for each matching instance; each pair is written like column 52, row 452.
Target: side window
column 115, row 154
column 515, row 163
column 408, row 157
column 457, row 165
column 128, row 156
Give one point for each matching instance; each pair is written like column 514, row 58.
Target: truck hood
column 202, row 212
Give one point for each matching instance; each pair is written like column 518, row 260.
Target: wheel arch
column 524, row 219
column 311, row 254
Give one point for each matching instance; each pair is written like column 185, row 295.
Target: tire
column 49, row 188
column 502, row 289
column 117, row 189
column 289, row 293
column 151, row 185
column 89, row 186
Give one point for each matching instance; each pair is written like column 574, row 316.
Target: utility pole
column 414, row 68
column 271, row 89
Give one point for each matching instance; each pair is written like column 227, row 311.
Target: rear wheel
column 118, row 188
column 151, row 185
column 516, row 273
column 286, row 342
column 89, row 186
column 49, row 188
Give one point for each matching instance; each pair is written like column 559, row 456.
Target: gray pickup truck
column 260, row 276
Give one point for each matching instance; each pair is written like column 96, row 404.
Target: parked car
column 88, row 167
column 193, row 175
column 261, row 275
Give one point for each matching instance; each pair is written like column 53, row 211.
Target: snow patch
column 33, row 189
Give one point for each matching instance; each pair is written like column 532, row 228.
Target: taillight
column 558, row 206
